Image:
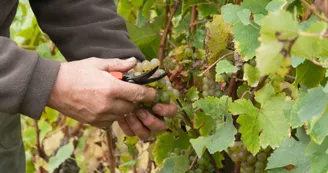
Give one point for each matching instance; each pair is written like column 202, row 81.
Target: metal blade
column 151, row 80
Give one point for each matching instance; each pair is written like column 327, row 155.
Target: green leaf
column 256, row 6
column 250, row 129
column 229, row 13
column 295, row 61
column 192, row 94
column 213, row 106
column 275, row 5
column 252, row 75
column 221, row 140
column 204, row 123
column 244, row 16
column 258, row 18
column 44, row 127
column 304, row 74
column 63, row 153
column 290, row 152
column 124, row 8
column 242, row 106
column 318, row 129
column 176, row 164
column 319, row 163
column 225, row 66
column 167, row 142
column 217, row 36
column 295, row 120
column 146, row 8
column 137, row 3
column 264, row 94
column 311, row 47
column 246, row 39
column 273, row 122
column 313, row 105
column 206, row 10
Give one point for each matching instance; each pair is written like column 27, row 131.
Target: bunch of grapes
column 200, row 165
column 211, row 88
column 248, row 162
column 165, row 90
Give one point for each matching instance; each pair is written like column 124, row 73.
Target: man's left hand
column 142, row 123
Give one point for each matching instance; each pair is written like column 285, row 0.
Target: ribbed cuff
column 40, row 86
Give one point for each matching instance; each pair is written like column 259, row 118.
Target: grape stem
column 193, row 163
column 190, row 124
column 161, row 51
column 212, row 65
column 258, row 87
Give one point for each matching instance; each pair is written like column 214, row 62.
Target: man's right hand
column 85, row 91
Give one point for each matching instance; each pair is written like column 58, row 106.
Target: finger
column 125, row 127
column 137, row 127
column 150, row 121
column 166, row 110
column 117, row 64
column 135, row 93
column 121, row 107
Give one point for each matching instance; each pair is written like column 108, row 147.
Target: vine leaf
column 217, row 37
column 229, row 13
column 167, row 142
column 275, row 5
column 256, row 6
column 252, row 75
column 244, row 16
column 213, row 106
column 313, row 105
column 221, row 140
column 304, row 74
column 262, row 126
column 312, row 47
column 319, row 155
column 175, row 164
column 192, row 94
column 224, row 66
column 63, row 153
column 204, row 123
column 272, row 56
column 290, row 152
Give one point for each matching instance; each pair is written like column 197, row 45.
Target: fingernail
column 142, row 115
column 157, row 109
column 131, row 119
column 132, row 59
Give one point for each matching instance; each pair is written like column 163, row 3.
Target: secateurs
column 143, row 79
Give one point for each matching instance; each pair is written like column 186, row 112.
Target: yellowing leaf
column 217, row 37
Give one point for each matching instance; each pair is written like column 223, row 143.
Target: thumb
column 119, row 64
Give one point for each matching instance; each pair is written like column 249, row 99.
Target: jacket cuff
column 40, row 86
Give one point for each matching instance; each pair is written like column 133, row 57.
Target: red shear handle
column 117, row 75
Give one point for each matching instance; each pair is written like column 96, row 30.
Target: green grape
column 205, row 80
column 188, row 52
column 211, row 92
column 176, row 150
column 146, row 66
column 138, row 67
column 153, row 84
column 249, row 169
column 205, row 87
column 198, row 170
column 242, row 156
column 225, row 77
column 261, row 156
column 191, row 171
column 164, row 98
column 183, row 151
column 259, row 171
column 259, row 165
column 201, row 161
column 132, row 71
column 243, row 164
column 154, row 62
column 238, row 144
column 251, row 159
column 218, row 93
column 205, row 94
column 174, row 94
column 195, row 56
column 161, row 83
column 234, row 157
column 168, row 88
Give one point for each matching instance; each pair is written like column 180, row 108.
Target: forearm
column 85, row 28
column 25, row 80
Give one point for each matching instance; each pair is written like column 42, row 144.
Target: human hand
column 85, row 91
column 143, row 123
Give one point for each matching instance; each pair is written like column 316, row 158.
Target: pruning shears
column 143, row 79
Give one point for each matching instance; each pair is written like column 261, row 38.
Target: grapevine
column 249, row 79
